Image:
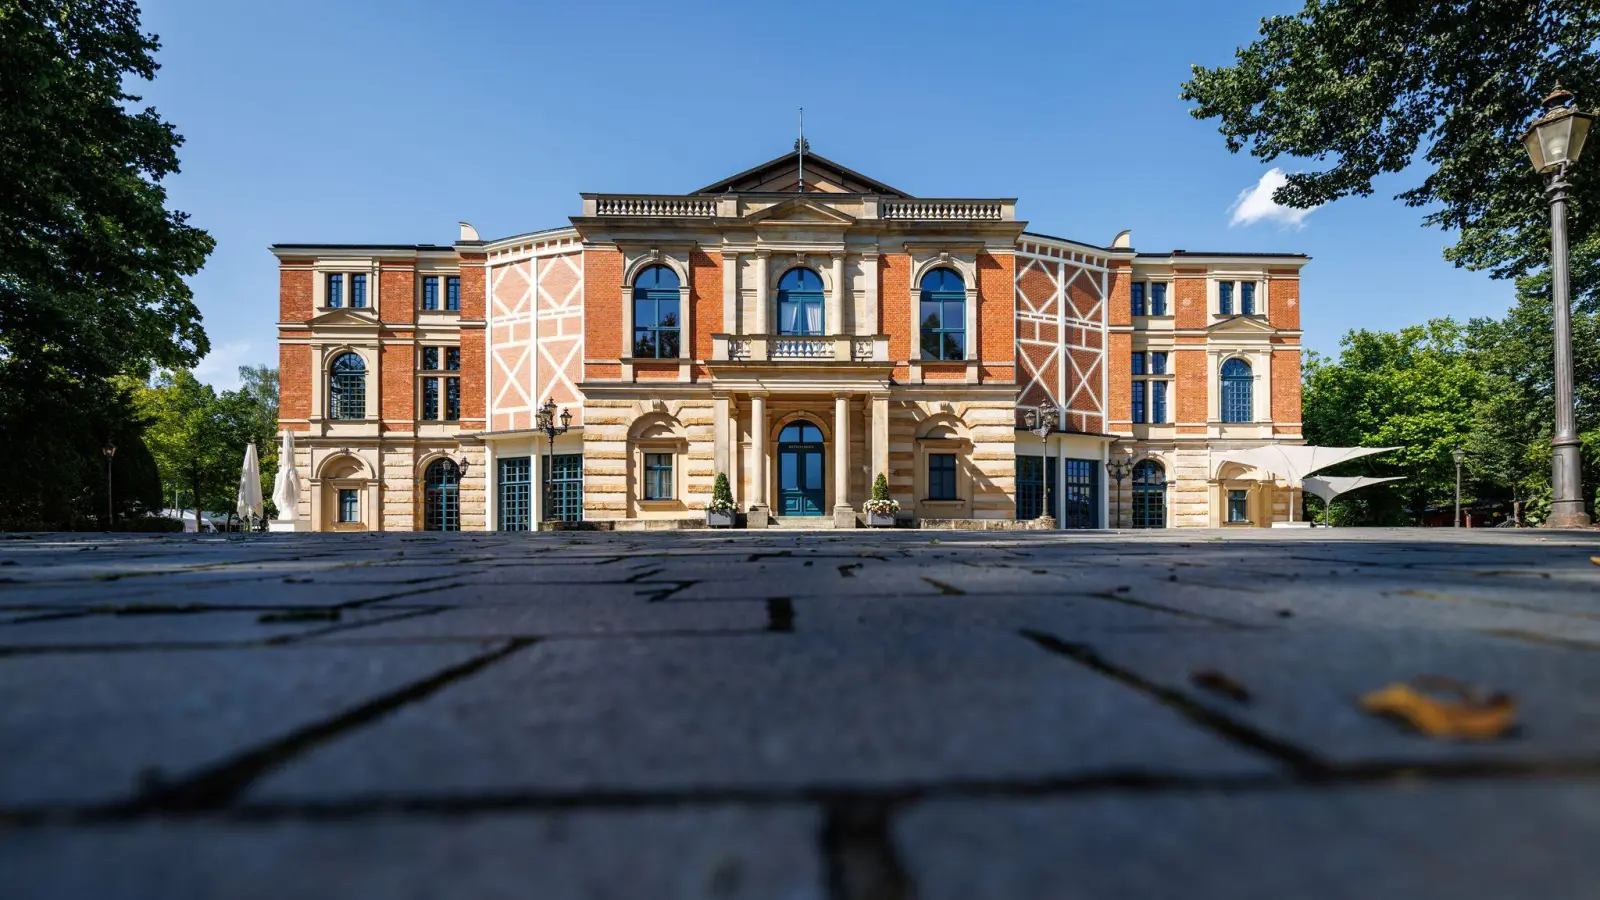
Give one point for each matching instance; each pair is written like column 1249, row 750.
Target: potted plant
column 880, row 509
column 719, row 512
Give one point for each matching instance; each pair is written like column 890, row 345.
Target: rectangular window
column 1225, row 297
column 430, row 359
column 1247, row 298
column 452, row 399
column 1158, row 402
column 1138, row 298
column 452, row 359
column 564, row 502
column 1138, row 363
column 358, row 291
column 452, row 292
column 349, row 505
column 430, row 399
column 430, row 292
column 1158, row 298
column 516, row 495
column 1238, row 507
column 942, row 476
column 1080, row 502
column 658, row 476
column 1158, row 363
column 335, row 291
column 1138, row 402
column 1030, row 486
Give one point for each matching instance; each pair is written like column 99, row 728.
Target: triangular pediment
column 1242, row 324
column 784, row 175
column 345, row 316
column 800, row 211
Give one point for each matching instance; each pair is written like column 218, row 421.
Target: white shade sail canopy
column 1330, row 486
column 250, row 505
column 1294, row 462
column 286, row 487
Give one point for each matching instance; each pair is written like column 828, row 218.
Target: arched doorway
column 441, row 507
column 801, row 490
column 1149, row 495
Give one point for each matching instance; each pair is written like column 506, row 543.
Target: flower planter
column 875, row 520
column 719, row 519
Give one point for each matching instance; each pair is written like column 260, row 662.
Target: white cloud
column 220, row 368
column 1255, row 204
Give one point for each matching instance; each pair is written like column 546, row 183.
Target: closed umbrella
column 286, row 487
column 250, row 506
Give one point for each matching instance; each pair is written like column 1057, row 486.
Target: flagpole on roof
column 800, row 145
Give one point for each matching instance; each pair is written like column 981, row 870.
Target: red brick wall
column 397, row 365
column 1189, row 299
column 1119, row 296
column 602, row 310
column 1119, row 359
column 1283, row 303
column 705, row 300
column 472, row 368
column 894, row 304
column 473, row 295
column 294, row 382
column 294, row 292
column 1286, row 391
column 397, row 295
column 997, row 316
column 1189, row 369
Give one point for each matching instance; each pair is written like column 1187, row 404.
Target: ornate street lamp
column 110, row 452
column 1554, row 143
column 1119, row 468
column 1460, row 456
column 1042, row 420
column 545, row 421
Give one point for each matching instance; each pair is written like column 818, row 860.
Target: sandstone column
column 843, row 515
column 758, row 472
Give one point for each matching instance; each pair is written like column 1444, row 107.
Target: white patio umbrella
column 1293, row 462
column 286, row 487
column 250, row 505
column 1330, row 486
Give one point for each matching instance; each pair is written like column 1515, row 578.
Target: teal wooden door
column 800, row 471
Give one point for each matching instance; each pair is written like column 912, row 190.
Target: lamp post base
column 1567, row 514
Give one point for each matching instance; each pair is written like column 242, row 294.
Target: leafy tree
column 1418, row 389
column 258, row 413
column 92, row 263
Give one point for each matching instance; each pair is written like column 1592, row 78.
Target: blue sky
column 356, row 121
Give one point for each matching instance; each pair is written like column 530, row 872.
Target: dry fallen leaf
column 1218, row 683
column 1445, row 708
column 1595, row 560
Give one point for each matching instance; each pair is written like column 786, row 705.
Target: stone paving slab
column 91, row 630
column 1491, row 841
column 579, row 613
column 718, row 852
column 87, row 727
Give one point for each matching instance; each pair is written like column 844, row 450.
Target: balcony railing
column 653, row 206
column 790, row 348
column 987, row 210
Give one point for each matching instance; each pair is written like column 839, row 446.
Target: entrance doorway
column 801, row 490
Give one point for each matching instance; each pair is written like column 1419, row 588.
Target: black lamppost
column 1554, row 142
column 1119, row 467
column 110, row 451
column 1460, row 456
column 545, row 421
column 1042, row 420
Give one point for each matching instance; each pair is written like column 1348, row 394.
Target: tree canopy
column 92, row 262
column 198, row 436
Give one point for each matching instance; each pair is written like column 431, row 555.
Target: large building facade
column 801, row 328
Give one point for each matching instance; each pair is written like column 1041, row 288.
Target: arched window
column 441, row 508
column 1237, row 383
column 800, row 303
column 944, row 315
column 347, row 387
column 1149, row 495
column 655, row 314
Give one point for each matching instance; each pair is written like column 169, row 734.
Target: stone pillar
column 758, row 447
column 763, row 298
column 723, row 438
column 880, row 437
column 844, row 516
column 835, row 323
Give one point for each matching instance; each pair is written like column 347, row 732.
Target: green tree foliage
column 1369, row 87
column 198, row 437
column 1418, row 389
column 91, row 261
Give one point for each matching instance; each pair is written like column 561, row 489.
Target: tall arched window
column 347, row 387
column 1237, row 383
column 944, row 315
column 441, row 500
column 655, row 314
column 800, row 303
column 1149, row 495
